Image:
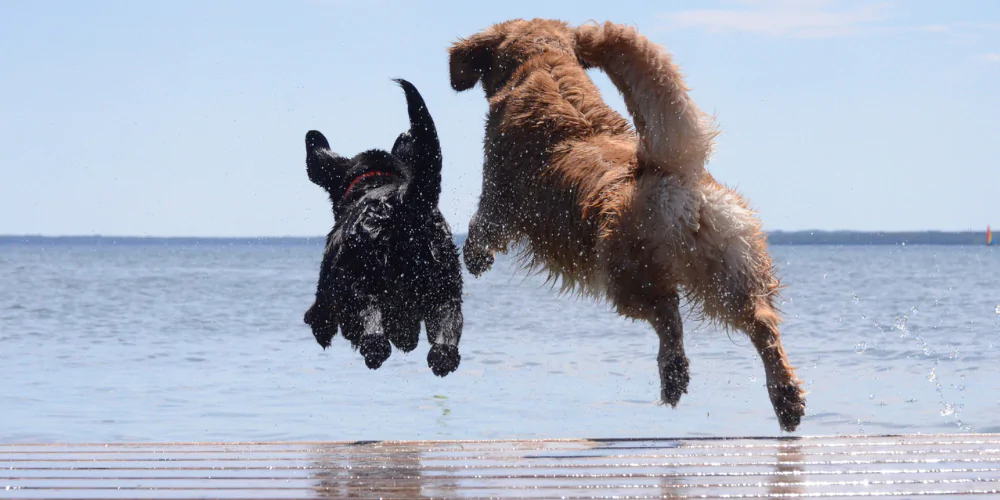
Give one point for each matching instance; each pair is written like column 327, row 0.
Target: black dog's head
column 345, row 178
column 390, row 261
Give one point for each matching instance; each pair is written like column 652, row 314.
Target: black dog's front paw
column 375, row 349
column 324, row 326
column 443, row 359
column 476, row 261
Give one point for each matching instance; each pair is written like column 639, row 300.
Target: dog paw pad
column 375, row 349
column 674, row 378
column 789, row 406
column 478, row 263
column 443, row 359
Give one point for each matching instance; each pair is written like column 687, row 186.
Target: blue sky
column 187, row 118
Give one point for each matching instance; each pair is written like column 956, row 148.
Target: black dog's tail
column 425, row 148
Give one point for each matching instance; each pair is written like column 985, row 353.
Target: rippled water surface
column 205, row 342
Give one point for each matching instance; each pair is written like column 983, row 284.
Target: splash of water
column 900, row 324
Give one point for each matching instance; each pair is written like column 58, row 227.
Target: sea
column 180, row 340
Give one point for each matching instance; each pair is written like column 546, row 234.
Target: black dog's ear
column 470, row 58
column 316, row 140
column 403, row 147
column 324, row 167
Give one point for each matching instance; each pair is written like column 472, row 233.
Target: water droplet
column 900, row 324
column 951, row 409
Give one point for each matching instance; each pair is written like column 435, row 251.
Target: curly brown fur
column 628, row 215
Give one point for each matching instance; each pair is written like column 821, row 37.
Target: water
column 205, row 342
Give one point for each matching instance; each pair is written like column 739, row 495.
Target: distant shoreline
column 977, row 238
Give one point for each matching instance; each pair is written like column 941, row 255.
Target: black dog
column 390, row 261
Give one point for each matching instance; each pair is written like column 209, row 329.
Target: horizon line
column 320, row 236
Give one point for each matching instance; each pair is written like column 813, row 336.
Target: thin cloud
column 992, row 57
column 782, row 18
column 960, row 27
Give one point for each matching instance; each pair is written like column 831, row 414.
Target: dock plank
column 936, row 466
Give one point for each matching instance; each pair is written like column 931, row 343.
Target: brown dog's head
column 492, row 55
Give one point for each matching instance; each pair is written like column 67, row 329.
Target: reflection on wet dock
column 903, row 466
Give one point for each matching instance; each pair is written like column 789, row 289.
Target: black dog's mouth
column 367, row 175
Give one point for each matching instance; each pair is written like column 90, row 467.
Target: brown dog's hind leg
column 783, row 386
column 672, row 362
column 647, row 292
column 745, row 301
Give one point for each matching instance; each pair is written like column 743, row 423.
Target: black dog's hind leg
column 402, row 325
column 444, row 330
column 374, row 343
column 361, row 324
column 322, row 316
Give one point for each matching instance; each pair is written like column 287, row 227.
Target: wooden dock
column 895, row 466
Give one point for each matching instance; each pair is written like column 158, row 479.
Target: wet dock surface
column 934, row 466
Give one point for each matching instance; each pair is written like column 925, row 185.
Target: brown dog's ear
column 470, row 58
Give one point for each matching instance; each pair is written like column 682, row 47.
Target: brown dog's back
column 561, row 149
column 557, row 152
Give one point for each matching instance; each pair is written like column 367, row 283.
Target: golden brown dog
column 628, row 215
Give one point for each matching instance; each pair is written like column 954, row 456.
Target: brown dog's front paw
column 674, row 378
column 477, row 261
column 789, row 405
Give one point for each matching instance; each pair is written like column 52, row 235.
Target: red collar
column 362, row 177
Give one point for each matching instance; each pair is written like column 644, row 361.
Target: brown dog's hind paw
column 674, row 378
column 789, row 405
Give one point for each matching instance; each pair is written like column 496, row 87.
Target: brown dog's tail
column 675, row 137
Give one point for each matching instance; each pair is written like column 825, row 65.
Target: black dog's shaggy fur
column 390, row 261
